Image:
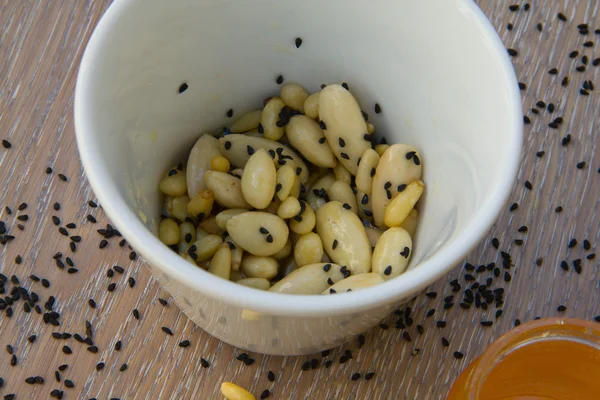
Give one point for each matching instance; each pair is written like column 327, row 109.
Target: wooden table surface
column 41, row 44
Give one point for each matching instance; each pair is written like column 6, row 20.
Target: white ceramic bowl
column 437, row 68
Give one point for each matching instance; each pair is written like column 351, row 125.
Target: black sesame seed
column 458, row 355
column 513, row 7
column 250, row 150
column 298, row 42
column 111, row 287
column 345, row 86
column 62, row 177
column 561, row 16
column 495, row 243
column 347, row 206
column 229, row 113
column 561, row 308
column 526, row 120
column 92, row 349
column 67, row 350
column 507, row 276
column 565, row 81
column 123, row 367
column 334, row 244
column 539, row 27
column 183, row 87
column 344, row 156
column 589, row 43
column 269, row 238
column 553, row 71
column 487, row 323
column 572, row 243
column 167, row 331
column 227, row 145
column 513, row 52
column 445, row 342
column 341, row 142
column 522, row 86
column 581, row 165
column 6, row 144
column 387, row 270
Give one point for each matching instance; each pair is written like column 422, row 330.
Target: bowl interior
column 436, row 68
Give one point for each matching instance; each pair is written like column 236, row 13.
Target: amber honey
column 551, row 359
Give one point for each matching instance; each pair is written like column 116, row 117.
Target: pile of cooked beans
column 296, row 198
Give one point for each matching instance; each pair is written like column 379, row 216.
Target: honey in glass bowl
column 547, row 359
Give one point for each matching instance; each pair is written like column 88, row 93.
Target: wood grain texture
column 41, row 44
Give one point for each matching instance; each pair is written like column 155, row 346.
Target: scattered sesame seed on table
column 72, row 292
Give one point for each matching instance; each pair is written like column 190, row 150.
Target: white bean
column 226, row 189
column 310, row 279
column 308, row 250
column 168, row 206
column 231, row 391
column 294, row 96
column 285, row 181
column 259, row 233
column 220, row 265
column 394, row 169
column 289, row 208
column 269, row 118
column 283, row 253
column 205, row 248
column 366, row 171
column 370, row 128
column 259, row 267
column 258, row 181
column 236, row 276
column 179, row 207
column 363, row 202
column 354, row 283
column 187, row 236
column 391, row 255
column 256, row 283
column 344, row 237
column 198, row 162
column 410, row 223
column 236, row 253
column 401, row 205
column 308, row 138
column 344, row 125
column 238, row 148
column 381, row 148
column 311, row 106
column 210, row 226
column 202, row 203
column 317, row 194
column 342, row 174
column 222, row 217
column 200, row 232
column 173, row 185
column 246, row 122
column 305, row 221
column 342, row 192
column 219, row 163
column 168, row 232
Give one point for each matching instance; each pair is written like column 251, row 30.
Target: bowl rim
column 164, row 259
